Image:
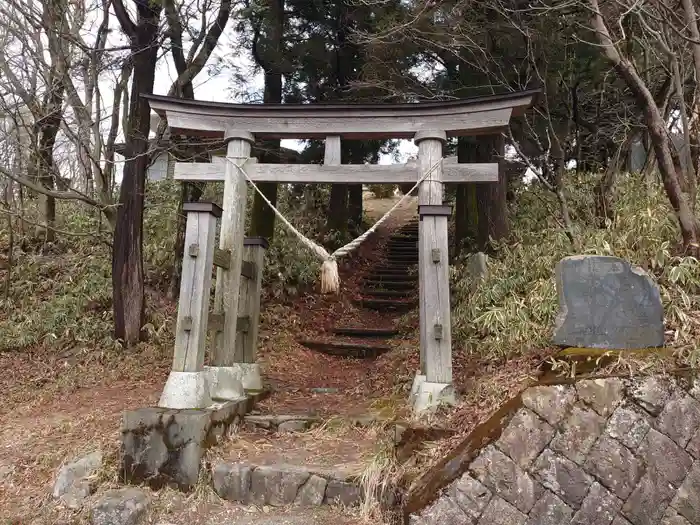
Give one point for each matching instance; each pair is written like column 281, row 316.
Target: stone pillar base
column 250, row 376
column 186, row 390
column 225, row 382
column 425, row 396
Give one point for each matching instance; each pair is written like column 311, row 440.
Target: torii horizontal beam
column 343, row 174
column 361, row 121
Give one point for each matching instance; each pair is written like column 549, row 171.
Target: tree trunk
column 46, row 137
column 338, row 206
column 127, row 252
column 355, row 208
column 491, row 198
column 481, row 207
column 466, row 213
column 269, row 57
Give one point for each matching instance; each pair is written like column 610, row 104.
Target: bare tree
column 614, row 48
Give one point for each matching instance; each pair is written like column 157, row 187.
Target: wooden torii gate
column 429, row 124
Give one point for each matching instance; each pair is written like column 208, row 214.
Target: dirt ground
column 58, row 405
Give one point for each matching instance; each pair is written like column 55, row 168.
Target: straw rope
column 330, row 278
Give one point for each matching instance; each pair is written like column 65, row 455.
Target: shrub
column 514, row 308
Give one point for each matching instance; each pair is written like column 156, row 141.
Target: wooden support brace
column 249, row 301
column 222, row 258
column 193, row 307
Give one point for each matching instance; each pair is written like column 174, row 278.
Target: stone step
column 403, row 240
column 390, row 271
column 383, row 276
column 402, row 251
column 281, row 423
column 402, row 265
column 398, row 248
column 391, row 285
column 280, row 485
column 350, row 331
column 386, row 304
column 346, row 349
column 374, row 292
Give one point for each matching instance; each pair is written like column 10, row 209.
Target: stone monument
column 606, row 302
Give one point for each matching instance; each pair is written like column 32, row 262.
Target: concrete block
column 427, row 396
column 186, row 390
column 225, row 382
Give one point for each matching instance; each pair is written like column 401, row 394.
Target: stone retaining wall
column 599, row 452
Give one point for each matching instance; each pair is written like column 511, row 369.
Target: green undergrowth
column 513, row 310
column 61, row 293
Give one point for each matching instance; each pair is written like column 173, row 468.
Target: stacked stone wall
column 597, row 452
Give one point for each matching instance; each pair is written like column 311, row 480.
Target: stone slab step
column 402, row 245
column 402, row 249
column 350, row 331
column 282, row 485
column 374, row 292
column 281, row 423
column 381, row 276
column 401, row 254
column 386, row 304
column 397, row 267
column 344, row 349
column 392, row 285
column 403, row 268
column 404, row 237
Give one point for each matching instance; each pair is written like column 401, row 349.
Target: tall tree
column 269, row 54
column 127, row 250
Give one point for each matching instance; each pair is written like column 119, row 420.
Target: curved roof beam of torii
column 473, row 116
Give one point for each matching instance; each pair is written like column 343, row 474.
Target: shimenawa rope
column 330, row 279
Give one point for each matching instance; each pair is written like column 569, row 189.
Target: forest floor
column 60, row 404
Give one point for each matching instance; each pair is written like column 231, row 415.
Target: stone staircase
column 389, row 287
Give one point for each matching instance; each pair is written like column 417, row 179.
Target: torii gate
column 429, row 124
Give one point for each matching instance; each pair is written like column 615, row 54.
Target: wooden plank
column 332, row 154
column 435, row 352
column 317, row 121
column 222, row 258
column 249, row 305
column 334, row 174
column 195, row 285
column 228, row 281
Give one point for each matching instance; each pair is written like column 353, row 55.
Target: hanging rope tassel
column 330, row 278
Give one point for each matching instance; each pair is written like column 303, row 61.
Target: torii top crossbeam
column 473, row 116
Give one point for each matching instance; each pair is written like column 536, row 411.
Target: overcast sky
column 220, row 87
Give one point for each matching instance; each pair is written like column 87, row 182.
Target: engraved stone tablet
column 605, row 302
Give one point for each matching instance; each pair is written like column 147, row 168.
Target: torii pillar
column 433, row 383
